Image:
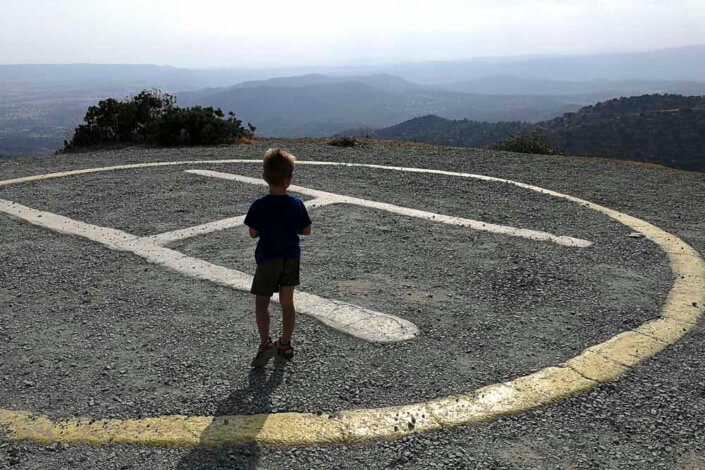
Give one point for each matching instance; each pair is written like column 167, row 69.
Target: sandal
column 265, row 352
column 285, row 350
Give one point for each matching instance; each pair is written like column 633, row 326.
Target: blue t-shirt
column 278, row 219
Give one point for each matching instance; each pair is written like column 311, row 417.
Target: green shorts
column 274, row 273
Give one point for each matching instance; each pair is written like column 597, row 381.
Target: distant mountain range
column 680, row 64
column 111, row 76
column 604, row 89
column 674, row 64
column 320, row 105
column 41, row 104
column 665, row 129
column 380, row 81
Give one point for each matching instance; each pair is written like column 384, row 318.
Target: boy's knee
column 287, row 305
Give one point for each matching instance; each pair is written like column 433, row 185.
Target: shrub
column 527, row 142
column 344, row 142
column 152, row 117
column 196, row 126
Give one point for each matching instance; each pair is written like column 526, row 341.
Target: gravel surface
column 86, row 331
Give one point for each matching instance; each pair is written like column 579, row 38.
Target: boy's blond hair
column 278, row 166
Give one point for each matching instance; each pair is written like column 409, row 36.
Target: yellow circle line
column 597, row 364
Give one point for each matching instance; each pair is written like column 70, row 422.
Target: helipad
column 597, row 364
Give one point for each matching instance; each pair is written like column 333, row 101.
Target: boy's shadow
column 253, row 400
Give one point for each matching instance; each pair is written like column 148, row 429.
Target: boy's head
column 278, row 166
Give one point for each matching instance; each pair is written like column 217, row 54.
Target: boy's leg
column 262, row 317
column 286, row 299
column 266, row 348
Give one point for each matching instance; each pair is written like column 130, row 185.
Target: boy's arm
column 250, row 220
column 305, row 221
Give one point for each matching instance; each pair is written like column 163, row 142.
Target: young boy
column 277, row 219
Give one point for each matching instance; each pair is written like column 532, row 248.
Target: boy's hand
column 305, row 231
column 254, row 233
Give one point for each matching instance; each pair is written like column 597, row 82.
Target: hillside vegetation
column 666, row 129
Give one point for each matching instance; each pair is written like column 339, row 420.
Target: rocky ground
column 86, row 331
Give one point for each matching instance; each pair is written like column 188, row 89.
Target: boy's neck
column 277, row 190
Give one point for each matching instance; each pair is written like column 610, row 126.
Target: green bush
column 527, row 142
column 343, row 142
column 196, row 126
column 151, row 117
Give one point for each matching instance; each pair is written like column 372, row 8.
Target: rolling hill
column 437, row 130
column 666, row 129
column 319, row 105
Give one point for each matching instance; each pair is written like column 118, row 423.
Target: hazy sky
column 311, row 32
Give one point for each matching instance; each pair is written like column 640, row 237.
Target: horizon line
column 357, row 65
